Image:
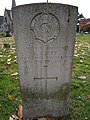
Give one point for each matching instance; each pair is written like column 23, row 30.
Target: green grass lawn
column 2, row 34
column 80, row 83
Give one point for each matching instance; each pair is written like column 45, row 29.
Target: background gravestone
column 45, row 45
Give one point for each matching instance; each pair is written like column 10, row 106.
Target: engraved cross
column 45, row 78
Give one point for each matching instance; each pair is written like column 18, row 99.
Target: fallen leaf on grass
column 86, row 65
column 15, row 61
column 1, row 55
column 81, row 61
column 1, row 45
column 86, row 118
column 13, row 117
column 15, row 56
column 73, row 66
column 10, row 97
column 9, row 55
column 9, row 60
column 8, row 63
column 82, row 77
column 88, row 96
column 14, row 74
column 19, row 117
column 10, row 118
column 20, row 112
column 13, row 49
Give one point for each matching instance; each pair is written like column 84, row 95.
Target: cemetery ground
column 80, row 83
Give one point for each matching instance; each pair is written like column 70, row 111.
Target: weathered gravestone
column 45, row 46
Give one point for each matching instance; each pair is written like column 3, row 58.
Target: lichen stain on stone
column 61, row 94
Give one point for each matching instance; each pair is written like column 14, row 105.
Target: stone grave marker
column 45, row 38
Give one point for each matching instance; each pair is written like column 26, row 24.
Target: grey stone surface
column 1, row 23
column 45, row 46
column 13, row 3
column 7, row 21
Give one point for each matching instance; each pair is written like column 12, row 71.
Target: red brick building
column 84, row 24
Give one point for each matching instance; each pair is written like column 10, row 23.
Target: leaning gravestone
column 45, row 38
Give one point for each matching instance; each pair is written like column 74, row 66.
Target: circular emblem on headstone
column 45, row 27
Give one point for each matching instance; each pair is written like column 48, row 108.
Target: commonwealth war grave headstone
column 45, row 46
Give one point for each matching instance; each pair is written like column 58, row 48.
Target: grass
column 8, row 79
column 2, row 34
column 80, row 83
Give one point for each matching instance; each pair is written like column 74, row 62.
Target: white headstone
column 45, row 46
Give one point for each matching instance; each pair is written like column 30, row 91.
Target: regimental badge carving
column 45, row 27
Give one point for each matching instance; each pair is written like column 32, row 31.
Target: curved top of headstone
column 24, row 5
column 44, row 23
